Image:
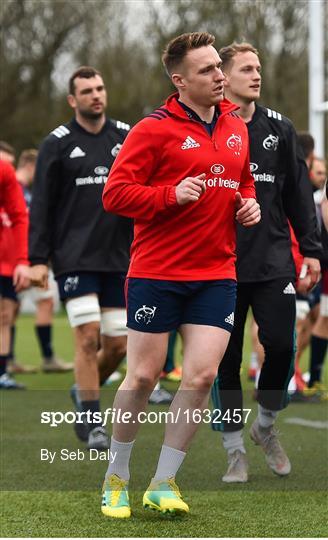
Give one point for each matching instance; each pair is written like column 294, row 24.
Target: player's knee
column 46, row 304
column 116, row 350
column 87, row 339
column 230, row 373
column 143, row 380
column 321, row 326
column 282, row 343
column 6, row 316
column 204, row 379
column 285, row 348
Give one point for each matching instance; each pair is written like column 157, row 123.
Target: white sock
column 120, row 455
column 169, row 462
column 266, row 417
column 233, row 440
column 257, row 376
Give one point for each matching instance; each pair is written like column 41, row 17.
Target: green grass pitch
column 62, row 499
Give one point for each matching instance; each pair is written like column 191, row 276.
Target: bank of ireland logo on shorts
column 145, row 314
column 235, row 143
column 271, row 142
column 217, row 168
column 71, row 283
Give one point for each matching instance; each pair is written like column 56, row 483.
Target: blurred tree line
column 43, row 41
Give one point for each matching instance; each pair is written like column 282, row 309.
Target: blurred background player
column 88, row 248
column 318, row 173
column 42, row 299
column 308, row 306
column 319, row 336
column 265, row 268
column 16, row 278
column 305, row 303
column 8, row 255
column 7, row 152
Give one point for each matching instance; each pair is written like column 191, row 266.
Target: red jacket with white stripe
column 195, row 241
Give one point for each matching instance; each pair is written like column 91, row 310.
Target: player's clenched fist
column 248, row 211
column 21, row 277
column 39, row 275
column 190, row 189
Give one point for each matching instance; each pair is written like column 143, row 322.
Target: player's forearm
column 307, row 234
column 137, row 201
column 39, row 247
column 19, row 231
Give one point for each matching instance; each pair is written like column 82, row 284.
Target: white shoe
column 237, row 469
column 8, row 383
column 160, row 396
column 98, row 439
column 114, row 377
column 275, row 455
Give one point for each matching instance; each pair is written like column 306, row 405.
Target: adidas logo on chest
column 77, row 152
column 189, row 143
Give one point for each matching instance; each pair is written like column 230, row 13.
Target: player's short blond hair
column 228, row 53
column 176, row 50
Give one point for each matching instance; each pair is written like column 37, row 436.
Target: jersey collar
column 82, row 130
column 225, row 106
column 256, row 115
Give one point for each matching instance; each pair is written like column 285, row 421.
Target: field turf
column 39, row 499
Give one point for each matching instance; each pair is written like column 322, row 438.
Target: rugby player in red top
column 13, row 277
column 183, row 175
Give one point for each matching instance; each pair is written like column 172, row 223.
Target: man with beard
column 88, row 249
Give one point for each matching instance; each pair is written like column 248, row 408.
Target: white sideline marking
column 317, row 424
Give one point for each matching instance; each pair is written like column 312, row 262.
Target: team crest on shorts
column 145, row 314
column 71, row 283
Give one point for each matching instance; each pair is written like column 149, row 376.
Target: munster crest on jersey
column 235, row 143
column 271, row 142
column 115, row 150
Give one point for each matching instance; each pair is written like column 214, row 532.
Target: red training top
column 297, row 255
column 13, row 204
column 195, row 241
